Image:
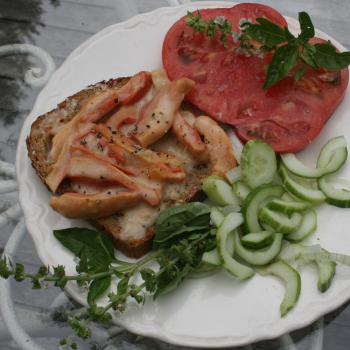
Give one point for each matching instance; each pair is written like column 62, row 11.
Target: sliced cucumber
column 337, row 197
column 328, row 149
column 258, row 162
column 231, row 222
column 292, row 281
column 240, row 189
column 234, row 174
column 288, row 207
column 279, row 221
column 251, row 205
column 290, row 252
column 298, row 168
column 232, row 208
column 257, row 240
column 262, row 256
column 216, row 216
column 212, row 257
column 326, row 272
column 325, row 265
column 308, row 225
column 219, row 191
column 298, row 190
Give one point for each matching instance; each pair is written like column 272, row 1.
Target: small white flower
column 243, row 20
column 261, row 54
column 236, row 36
column 219, row 20
column 43, row 284
column 246, row 54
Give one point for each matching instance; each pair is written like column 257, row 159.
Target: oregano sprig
column 182, row 235
column 289, row 51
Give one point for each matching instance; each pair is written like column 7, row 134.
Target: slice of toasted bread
column 115, row 226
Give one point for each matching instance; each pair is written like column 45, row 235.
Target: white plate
column 216, row 311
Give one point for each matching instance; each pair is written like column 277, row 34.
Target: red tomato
column 229, row 86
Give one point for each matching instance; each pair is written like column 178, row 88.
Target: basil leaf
column 187, row 229
column 267, row 32
column 290, row 37
column 97, row 287
column 284, row 59
column 83, row 263
column 172, row 219
column 308, row 55
column 75, row 238
column 201, row 220
column 327, row 57
column 306, row 27
column 167, row 283
column 298, row 73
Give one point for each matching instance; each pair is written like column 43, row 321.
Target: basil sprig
column 182, row 235
column 289, row 51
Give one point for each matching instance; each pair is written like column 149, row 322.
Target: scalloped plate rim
column 27, row 190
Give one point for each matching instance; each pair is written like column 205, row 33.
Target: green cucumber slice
column 328, row 149
column 234, row 174
column 251, row 205
column 257, row 240
column 292, row 281
column 231, row 222
column 326, row 272
column 287, row 197
column 298, row 190
column 258, row 162
column 288, row 207
column 298, row 168
column 337, row 197
column 308, row 225
column 325, row 265
column 240, row 189
column 232, row 208
column 219, row 191
column 212, row 257
column 262, row 256
column 279, row 221
column 216, row 216
column 290, row 252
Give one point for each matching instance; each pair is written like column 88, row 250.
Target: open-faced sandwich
column 120, row 152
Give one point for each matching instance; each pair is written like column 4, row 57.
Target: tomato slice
column 229, row 85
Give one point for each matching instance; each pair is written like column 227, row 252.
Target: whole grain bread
column 39, row 143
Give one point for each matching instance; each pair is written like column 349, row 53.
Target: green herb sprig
column 182, row 235
column 289, row 51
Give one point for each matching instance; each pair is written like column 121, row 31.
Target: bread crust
column 39, row 144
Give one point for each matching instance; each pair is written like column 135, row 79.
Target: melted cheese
column 134, row 222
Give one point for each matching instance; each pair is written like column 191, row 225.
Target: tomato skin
column 229, row 86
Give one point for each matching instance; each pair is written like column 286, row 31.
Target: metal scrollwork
column 33, row 76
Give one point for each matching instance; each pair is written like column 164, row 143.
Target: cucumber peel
column 292, row 282
column 230, row 223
